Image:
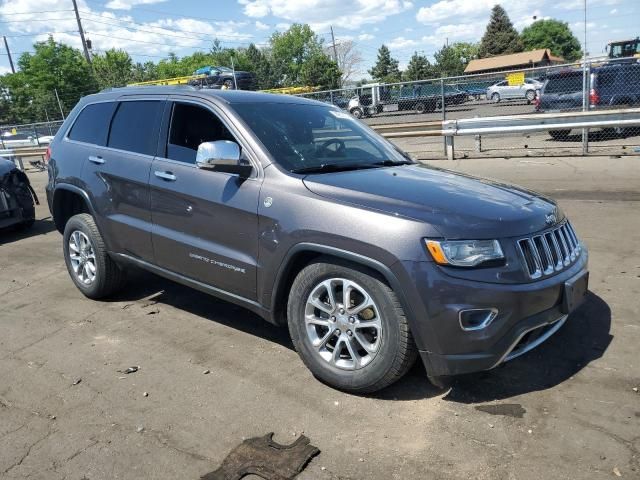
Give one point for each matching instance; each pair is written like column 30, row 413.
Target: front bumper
column 528, row 314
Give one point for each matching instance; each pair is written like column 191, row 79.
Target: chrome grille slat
column 550, row 251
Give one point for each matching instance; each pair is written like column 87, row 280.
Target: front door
column 205, row 223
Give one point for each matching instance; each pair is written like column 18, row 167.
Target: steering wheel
column 331, row 141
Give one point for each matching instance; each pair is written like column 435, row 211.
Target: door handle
column 96, row 159
column 165, row 176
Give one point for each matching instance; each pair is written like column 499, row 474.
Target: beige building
column 514, row 61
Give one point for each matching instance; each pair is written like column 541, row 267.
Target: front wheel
column 495, row 98
column 357, row 112
column 530, row 96
column 349, row 327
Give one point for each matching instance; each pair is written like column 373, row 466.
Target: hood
column 6, row 166
column 457, row 205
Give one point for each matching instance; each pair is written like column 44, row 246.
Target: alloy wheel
column 343, row 323
column 82, row 257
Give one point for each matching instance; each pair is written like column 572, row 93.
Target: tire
column 391, row 350
column 559, row 134
column 530, row 96
column 420, row 107
column 495, row 97
column 108, row 276
column 228, row 83
column 357, row 112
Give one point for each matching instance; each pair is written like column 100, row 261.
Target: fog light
column 476, row 318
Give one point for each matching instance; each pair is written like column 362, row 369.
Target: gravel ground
column 565, row 410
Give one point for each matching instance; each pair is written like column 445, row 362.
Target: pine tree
column 419, row 68
column 500, row 37
column 386, row 67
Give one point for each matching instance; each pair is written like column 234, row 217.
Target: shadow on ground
column 583, row 339
column 13, row 234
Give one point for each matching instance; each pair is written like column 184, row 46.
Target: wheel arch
column 302, row 254
column 69, row 200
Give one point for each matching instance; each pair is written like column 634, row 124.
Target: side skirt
column 252, row 305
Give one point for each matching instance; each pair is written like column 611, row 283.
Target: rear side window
column 564, row 84
column 135, row 127
column 92, row 124
column 607, row 78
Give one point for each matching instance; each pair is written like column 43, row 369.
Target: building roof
column 512, row 60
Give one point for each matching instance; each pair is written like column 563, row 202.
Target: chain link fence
column 28, row 135
column 559, row 88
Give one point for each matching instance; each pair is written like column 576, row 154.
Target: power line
column 35, row 13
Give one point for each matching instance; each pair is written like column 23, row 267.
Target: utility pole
column 6, row 46
column 59, row 103
column 335, row 51
column 84, row 43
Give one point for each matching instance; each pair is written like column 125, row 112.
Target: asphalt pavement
column 215, row 374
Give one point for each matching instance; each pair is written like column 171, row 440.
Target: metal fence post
column 35, row 132
column 444, row 115
column 585, row 107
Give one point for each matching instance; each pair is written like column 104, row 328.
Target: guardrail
column 511, row 124
column 17, row 155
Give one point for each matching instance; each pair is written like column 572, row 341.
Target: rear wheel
column 92, row 270
column 495, row 98
column 420, row 107
column 559, row 134
column 349, row 327
column 228, row 83
column 530, row 96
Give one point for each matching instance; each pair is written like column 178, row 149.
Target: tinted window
column 607, row 78
column 135, row 127
column 192, row 125
column 92, row 125
column 564, row 84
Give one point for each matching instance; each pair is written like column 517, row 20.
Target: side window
column 135, row 126
column 92, row 124
column 190, row 126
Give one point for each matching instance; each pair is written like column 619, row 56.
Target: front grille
column 550, row 251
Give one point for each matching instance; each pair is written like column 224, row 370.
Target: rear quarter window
column 135, row 126
column 92, row 124
column 564, row 84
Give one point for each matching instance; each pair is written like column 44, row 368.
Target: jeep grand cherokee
column 302, row 214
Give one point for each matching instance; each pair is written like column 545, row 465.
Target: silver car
column 504, row 91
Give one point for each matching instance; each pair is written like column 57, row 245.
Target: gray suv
column 303, row 215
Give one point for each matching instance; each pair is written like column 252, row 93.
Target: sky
column 150, row 29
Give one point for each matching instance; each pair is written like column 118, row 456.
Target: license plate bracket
column 575, row 291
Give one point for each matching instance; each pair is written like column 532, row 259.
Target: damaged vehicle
column 17, row 197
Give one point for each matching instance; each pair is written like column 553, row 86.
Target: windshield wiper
column 334, row 167
column 392, row 163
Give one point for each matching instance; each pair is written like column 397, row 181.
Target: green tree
column 451, row 60
column 554, row 35
column 500, row 37
column 113, row 68
column 386, row 67
column 30, row 93
column 291, row 50
column 419, row 68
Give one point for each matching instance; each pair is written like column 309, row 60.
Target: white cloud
column 459, row 32
column 401, row 42
column 108, row 29
column 613, row 11
column 261, row 26
column 320, row 14
column 365, row 36
column 127, row 4
column 480, row 10
column 283, row 26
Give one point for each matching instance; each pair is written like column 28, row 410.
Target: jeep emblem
column 550, row 218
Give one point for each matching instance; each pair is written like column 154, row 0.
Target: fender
column 373, row 264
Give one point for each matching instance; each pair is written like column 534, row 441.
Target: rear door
column 117, row 175
column 205, row 223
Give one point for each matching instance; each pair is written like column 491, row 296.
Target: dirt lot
column 567, row 410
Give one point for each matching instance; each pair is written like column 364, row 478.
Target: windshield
column 302, row 137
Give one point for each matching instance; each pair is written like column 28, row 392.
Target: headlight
column 464, row 253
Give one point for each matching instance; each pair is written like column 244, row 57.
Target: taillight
column 536, row 101
column 47, row 155
column 594, row 98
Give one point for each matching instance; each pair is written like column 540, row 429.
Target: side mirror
column 222, row 156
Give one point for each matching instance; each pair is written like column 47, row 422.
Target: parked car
column 611, row 86
column 17, row 197
column 17, row 140
column 302, row 214
column 218, row 77
column 503, row 91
